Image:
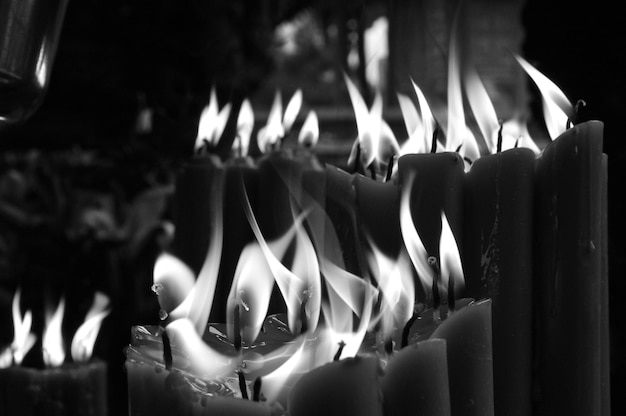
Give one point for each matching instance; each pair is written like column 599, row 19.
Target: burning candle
column 416, row 380
column 343, row 388
column 498, row 230
column 78, row 388
column 571, row 299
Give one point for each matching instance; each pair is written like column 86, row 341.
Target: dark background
column 117, row 57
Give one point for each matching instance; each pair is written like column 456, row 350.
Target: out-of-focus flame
column 85, row 336
column 310, row 131
column 270, row 135
column 292, row 110
column 557, row 109
column 212, row 122
column 456, row 131
column 482, row 107
column 274, row 382
column 395, row 282
column 412, row 241
column 450, row 258
column 349, row 296
column 245, row 124
column 204, row 360
column 52, row 341
column 414, row 126
column 23, row 338
column 173, row 281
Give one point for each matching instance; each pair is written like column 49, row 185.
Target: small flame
column 450, row 258
column 173, row 281
column 420, row 141
column 310, row 131
column 212, row 122
column 412, row 241
column 411, row 117
column 557, row 109
column 23, row 338
column 204, row 360
column 52, row 342
column 292, row 110
column 84, row 339
column 272, row 133
column 245, row 124
column 367, row 122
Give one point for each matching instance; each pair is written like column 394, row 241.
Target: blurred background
column 85, row 181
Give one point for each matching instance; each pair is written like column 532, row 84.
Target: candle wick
column 372, row 170
column 357, row 158
column 237, row 328
column 499, row 144
column 407, row 329
column 167, row 350
column 339, row 351
column 242, row 385
column 434, row 263
column 389, row 174
column 433, row 145
column 256, row 389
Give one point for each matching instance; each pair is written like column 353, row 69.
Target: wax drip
column 499, row 143
column 434, row 263
column 339, row 351
column 389, row 173
column 256, row 389
column 407, row 329
column 433, row 145
column 167, row 350
column 242, row 385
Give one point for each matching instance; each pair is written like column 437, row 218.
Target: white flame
column 450, row 258
column 212, row 122
column 457, row 129
column 396, row 284
column 85, row 336
column 410, row 115
column 412, row 241
column 274, row 382
column 557, row 108
column 482, row 107
column 310, row 131
column 23, row 338
column 204, row 360
column 245, row 124
column 52, row 341
column 173, row 281
column 292, row 110
column 367, row 122
column 270, row 135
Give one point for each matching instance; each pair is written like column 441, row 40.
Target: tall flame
column 450, row 258
column 23, row 338
column 557, row 108
column 482, row 107
column 367, row 122
column 85, row 336
column 292, row 110
column 52, row 342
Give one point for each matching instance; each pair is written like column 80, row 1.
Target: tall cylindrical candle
column 498, row 243
column 570, row 294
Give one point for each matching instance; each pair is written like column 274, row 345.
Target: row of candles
column 385, row 252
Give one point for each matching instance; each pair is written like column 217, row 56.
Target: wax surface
column 70, row 390
column 470, row 367
column 416, row 380
column 350, row 387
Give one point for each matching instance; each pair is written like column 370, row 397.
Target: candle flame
column 52, row 341
column 456, row 132
column 482, row 107
column 292, row 110
column 310, row 131
column 557, row 108
column 270, row 135
column 81, row 348
column 412, row 241
column 212, row 122
column 367, row 122
column 173, row 281
column 23, row 338
column 450, row 258
column 245, row 124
